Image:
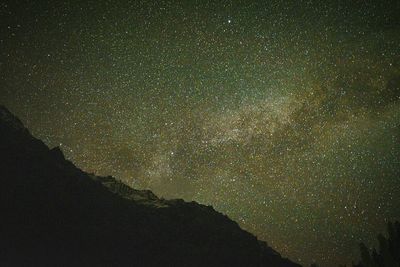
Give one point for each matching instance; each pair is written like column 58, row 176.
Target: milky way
column 284, row 116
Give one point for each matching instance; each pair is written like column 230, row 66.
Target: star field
column 285, row 116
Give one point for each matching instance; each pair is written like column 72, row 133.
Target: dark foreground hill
column 54, row 214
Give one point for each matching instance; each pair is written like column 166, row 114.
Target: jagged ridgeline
column 54, row 214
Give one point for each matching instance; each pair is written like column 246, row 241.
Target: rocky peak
column 7, row 118
column 53, row 212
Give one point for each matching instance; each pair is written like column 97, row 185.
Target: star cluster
column 284, row 115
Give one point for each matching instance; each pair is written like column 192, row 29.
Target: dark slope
column 54, row 214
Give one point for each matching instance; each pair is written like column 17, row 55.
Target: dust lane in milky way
column 285, row 115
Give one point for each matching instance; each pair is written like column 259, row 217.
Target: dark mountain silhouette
column 54, row 214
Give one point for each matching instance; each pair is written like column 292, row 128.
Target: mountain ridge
column 56, row 214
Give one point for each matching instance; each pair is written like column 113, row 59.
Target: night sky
column 284, row 116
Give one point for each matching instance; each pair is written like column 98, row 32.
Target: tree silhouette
column 389, row 250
